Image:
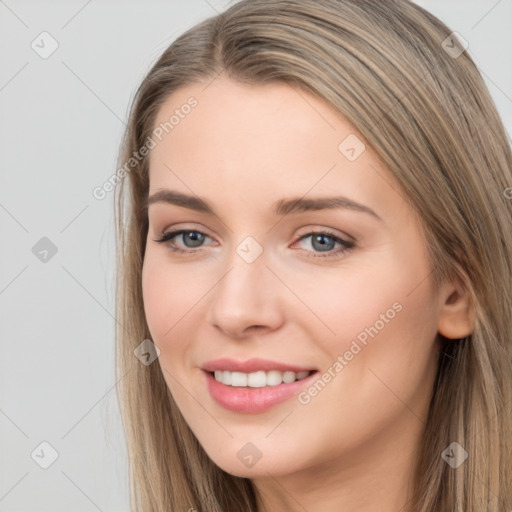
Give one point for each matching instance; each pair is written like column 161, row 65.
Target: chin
column 245, row 459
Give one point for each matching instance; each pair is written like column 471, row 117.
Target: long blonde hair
column 388, row 67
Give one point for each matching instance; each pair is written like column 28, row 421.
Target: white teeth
column 238, row 379
column 274, row 378
column 258, row 379
column 288, row 377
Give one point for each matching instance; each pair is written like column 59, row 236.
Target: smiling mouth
column 259, row 379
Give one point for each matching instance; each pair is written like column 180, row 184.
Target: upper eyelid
column 317, row 229
column 317, row 226
column 310, row 231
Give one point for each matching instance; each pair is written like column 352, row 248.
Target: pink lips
column 247, row 399
column 251, row 365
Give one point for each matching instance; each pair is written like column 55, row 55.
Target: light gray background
column 61, row 125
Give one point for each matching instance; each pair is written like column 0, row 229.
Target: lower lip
column 253, row 400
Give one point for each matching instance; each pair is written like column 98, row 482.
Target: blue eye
column 191, row 239
column 321, row 242
column 325, row 242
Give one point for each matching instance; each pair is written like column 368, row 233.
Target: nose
column 246, row 300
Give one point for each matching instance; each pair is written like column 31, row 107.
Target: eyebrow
column 279, row 208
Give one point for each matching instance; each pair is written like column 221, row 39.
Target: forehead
column 266, row 141
column 226, row 111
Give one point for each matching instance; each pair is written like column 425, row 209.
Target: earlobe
column 456, row 314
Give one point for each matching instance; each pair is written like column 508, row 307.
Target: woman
column 315, row 240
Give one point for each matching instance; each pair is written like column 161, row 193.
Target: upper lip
column 251, row 365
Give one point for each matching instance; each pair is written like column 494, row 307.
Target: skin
column 353, row 446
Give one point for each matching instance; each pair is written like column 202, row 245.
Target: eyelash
column 345, row 244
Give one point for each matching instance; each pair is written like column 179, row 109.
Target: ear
column 456, row 312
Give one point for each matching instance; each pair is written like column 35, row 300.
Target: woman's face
column 298, row 254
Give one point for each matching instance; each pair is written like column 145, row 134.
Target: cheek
column 378, row 367
column 175, row 301
column 385, row 327
column 338, row 304
column 384, row 291
column 168, row 295
column 382, row 322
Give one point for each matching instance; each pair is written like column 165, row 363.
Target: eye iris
column 194, row 237
column 324, row 246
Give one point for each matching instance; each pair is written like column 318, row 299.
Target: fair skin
column 353, row 445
